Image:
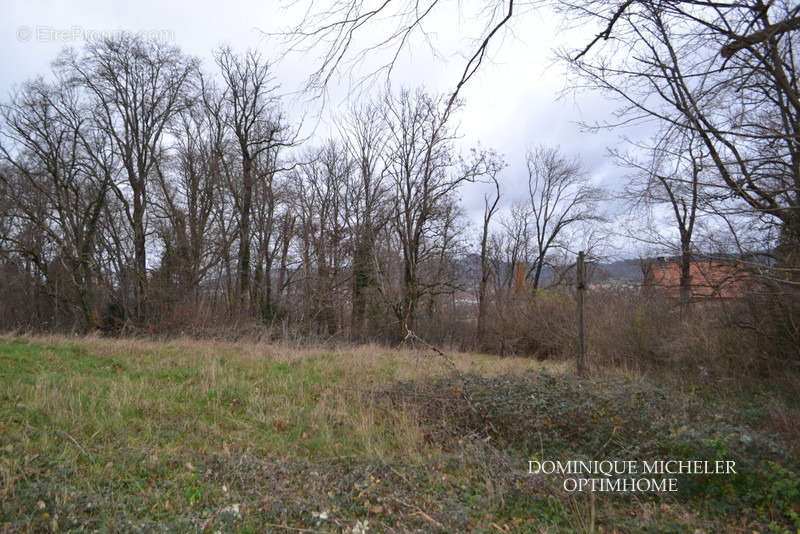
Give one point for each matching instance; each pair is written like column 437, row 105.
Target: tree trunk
column 363, row 279
column 244, row 234
column 140, row 256
column 685, row 282
column 409, row 298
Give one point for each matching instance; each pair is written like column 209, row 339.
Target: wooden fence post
column 581, row 288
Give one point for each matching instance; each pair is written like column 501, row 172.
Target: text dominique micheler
column 628, row 475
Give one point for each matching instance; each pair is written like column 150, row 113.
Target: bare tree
column 136, row 87
column 320, row 187
column 561, row 196
column 425, row 175
column 489, row 210
column 365, row 137
column 671, row 176
column 512, row 246
column 271, row 219
column 252, row 113
column 190, row 190
column 60, row 186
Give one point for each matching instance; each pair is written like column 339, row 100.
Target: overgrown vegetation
column 127, row 435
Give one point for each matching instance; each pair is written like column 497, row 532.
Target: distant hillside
column 468, row 271
column 623, row 270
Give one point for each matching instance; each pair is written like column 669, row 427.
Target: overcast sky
column 513, row 103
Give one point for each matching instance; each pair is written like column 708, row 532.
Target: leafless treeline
column 717, row 80
column 141, row 193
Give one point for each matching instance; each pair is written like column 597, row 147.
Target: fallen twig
column 420, row 512
column 75, row 442
column 293, row 529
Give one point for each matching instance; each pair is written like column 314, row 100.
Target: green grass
column 126, row 435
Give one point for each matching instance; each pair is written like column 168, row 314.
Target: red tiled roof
column 708, row 279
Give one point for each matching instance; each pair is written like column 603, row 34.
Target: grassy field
column 140, row 436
